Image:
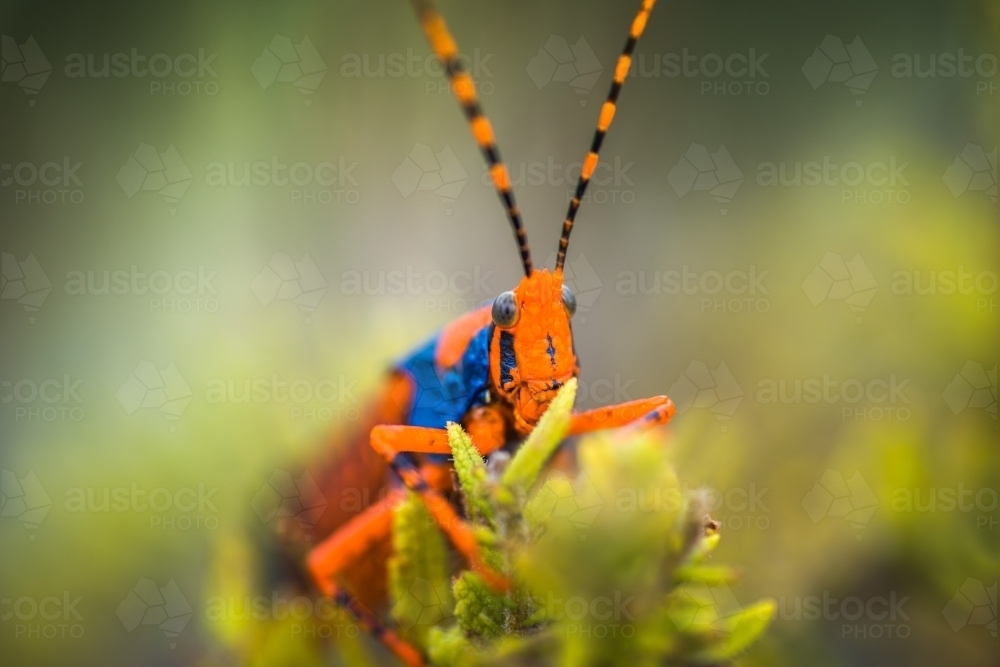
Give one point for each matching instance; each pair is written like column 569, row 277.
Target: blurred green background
column 699, row 271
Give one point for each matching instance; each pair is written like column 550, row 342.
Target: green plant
column 609, row 567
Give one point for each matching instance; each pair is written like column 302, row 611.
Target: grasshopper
column 493, row 370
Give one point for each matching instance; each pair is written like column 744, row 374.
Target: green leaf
column 418, row 573
column 449, row 648
column 704, row 548
column 560, row 498
column 710, row 575
column 471, row 471
column 741, row 630
column 522, row 473
column 480, row 611
column 541, row 506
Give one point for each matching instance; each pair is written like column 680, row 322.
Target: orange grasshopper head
column 531, row 349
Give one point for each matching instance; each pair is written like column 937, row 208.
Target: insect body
column 494, row 370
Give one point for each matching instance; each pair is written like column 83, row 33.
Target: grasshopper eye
column 569, row 300
column 505, row 310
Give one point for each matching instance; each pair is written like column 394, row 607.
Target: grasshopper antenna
column 603, row 123
column 444, row 47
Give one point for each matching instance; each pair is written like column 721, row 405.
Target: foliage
column 609, row 567
column 418, row 575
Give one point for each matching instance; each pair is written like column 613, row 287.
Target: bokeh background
column 876, row 282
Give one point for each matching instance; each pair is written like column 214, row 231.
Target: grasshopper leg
column 395, row 444
column 641, row 413
column 349, row 543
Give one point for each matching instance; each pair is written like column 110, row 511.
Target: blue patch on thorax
column 441, row 395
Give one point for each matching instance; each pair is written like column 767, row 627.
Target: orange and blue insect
column 494, row 370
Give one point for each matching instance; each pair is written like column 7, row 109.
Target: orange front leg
column 642, row 413
column 484, row 424
column 328, row 559
column 346, row 546
column 395, row 444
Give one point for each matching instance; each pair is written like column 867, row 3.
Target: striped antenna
column 603, row 123
column 444, row 47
